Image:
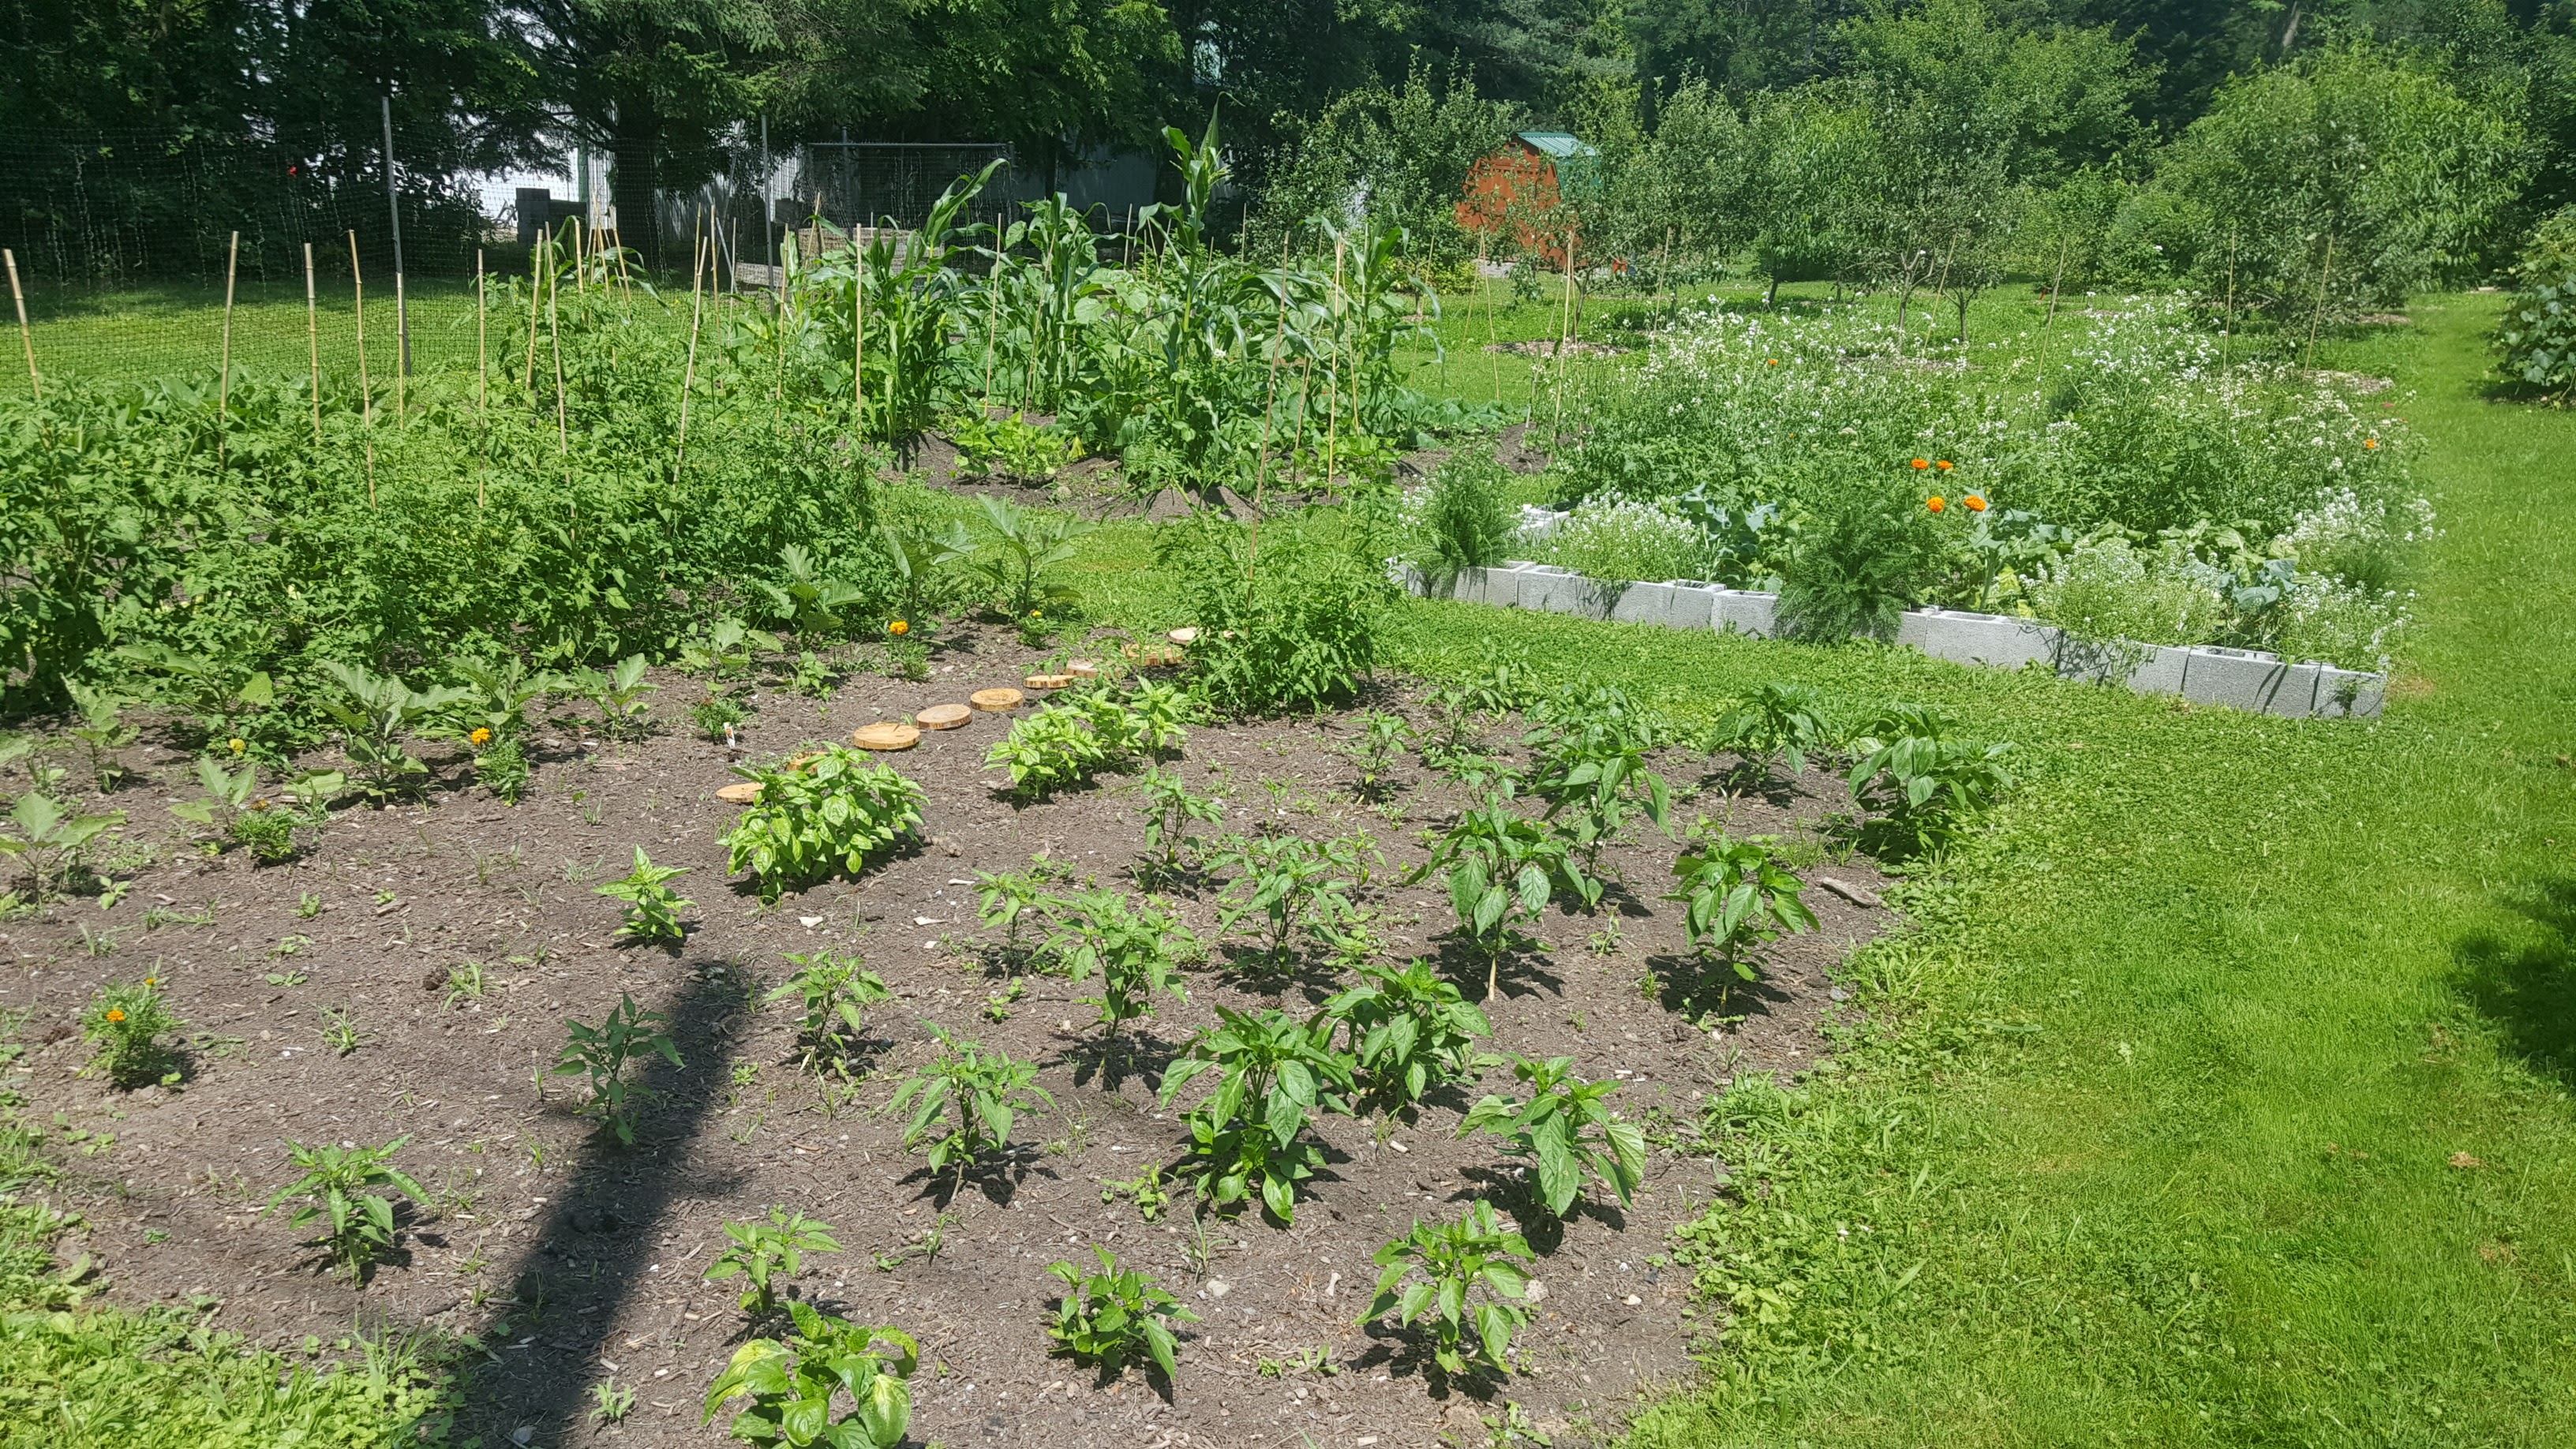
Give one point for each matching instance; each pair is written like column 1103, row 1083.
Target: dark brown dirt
column 579, row 1261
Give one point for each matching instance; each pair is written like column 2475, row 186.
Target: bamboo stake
column 2227, row 328
column 1269, row 408
column 554, row 340
column 2325, row 277
column 993, row 312
column 482, row 382
column 858, row 335
column 26, row 335
column 1564, row 325
column 2055, row 285
column 402, row 413
column 1484, row 290
column 313, row 343
column 1664, row 268
column 1305, row 401
column 540, row 264
column 689, row 377
column 366, row 394
column 1332, row 384
column 224, row 383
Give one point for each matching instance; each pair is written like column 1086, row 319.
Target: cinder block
column 1747, row 611
column 1963, row 637
column 2161, row 671
column 2373, row 694
column 2293, row 693
column 2238, row 678
column 1644, row 604
column 1691, row 604
column 1557, row 591
column 2349, row 693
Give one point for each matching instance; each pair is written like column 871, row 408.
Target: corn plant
column 1446, row 1262
column 1409, row 1031
column 652, row 907
column 1135, row 950
column 1924, row 782
column 1565, row 1129
column 124, row 1024
column 337, row 1180
column 52, row 840
column 1114, row 1315
column 102, row 732
column 1736, row 894
column 601, row 1055
column 835, row 993
column 1248, row 1137
column 792, row 1386
column 1383, row 739
column 378, row 718
column 1168, row 807
column 764, row 1251
column 830, row 812
column 980, row 1095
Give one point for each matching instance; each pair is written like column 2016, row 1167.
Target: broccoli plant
column 1248, row 1136
column 1565, row 1129
column 378, row 718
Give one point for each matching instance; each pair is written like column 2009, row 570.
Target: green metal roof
column 1560, row 145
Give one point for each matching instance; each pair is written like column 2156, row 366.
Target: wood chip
column 1857, row 895
column 741, row 792
column 996, row 699
column 885, row 736
column 943, row 717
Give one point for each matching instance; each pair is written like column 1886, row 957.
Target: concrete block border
column 2246, row 679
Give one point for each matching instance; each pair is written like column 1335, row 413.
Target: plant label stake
column 224, row 379
column 26, row 338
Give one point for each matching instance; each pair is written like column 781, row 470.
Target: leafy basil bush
column 827, row 813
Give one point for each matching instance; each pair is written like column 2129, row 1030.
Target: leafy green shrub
column 762, row 1251
column 1292, row 626
column 1013, row 446
column 124, row 1024
column 361, row 1222
column 1248, row 1136
column 985, row 1092
column 1855, row 570
column 792, row 1385
column 1114, row 1315
column 1926, row 783
column 1409, row 1030
column 1464, row 523
column 835, row 993
column 619, row 695
column 2538, row 333
column 652, row 907
column 503, row 770
column 2107, row 589
column 830, row 812
column 378, row 718
column 1065, row 742
column 52, row 840
column 601, row 1055
column 1778, row 726
column 1017, row 549
column 1452, row 1260
column 1168, row 807
column 1565, row 1129
column 1736, row 893
column 1135, row 950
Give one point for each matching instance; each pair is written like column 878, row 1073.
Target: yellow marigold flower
column 238, row 744
column 1919, row 464
column 481, row 736
column 1974, row 503
column 899, row 628
column 1936, row 503
column 2371, row 443
column 1945, row 465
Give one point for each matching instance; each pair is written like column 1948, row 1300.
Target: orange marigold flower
column 1920, row 464
column 1774, row 362
column 115, row 1015
column 1944, row 465
column 1936, row 503
column 1974, row 503
column 481, row 736
column 2370, row 443
column 899, row 627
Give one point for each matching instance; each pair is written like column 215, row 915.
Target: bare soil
column 578, row 1261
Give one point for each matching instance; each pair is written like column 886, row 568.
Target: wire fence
column 132, row 251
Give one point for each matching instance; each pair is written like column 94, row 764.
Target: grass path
column 2165, row 1150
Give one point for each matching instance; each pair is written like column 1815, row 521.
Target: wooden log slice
column 996, row 700
column 943, row 717
column 886, row 736
column 741, row 792
column 1082, row 668
column 1047, row 681
column 1184, row 637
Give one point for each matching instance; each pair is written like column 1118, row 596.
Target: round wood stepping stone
column 886, row 736
column 1082, row 668
column 1183, row 637
column 996, row 700
column 1048, row 681
column 741, row 792
column 943, row 717
column 1153, row 656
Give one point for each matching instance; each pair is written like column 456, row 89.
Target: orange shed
column 1519, row 187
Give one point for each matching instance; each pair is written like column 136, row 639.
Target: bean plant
column 762, row 1251
column 1446, row 1262
column 793, row 1385
column 1114, row 1315
column 830, row 812
column 601, row 1055
column 1565, row 1128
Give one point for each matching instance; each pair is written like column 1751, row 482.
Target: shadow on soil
column 2525, row 981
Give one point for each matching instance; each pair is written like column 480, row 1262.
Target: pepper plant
column 835, row 992
column 1502, row 868
column 601, row 1055
column 1135, row 950
column 337, row 1179
column 792, row 1385
column 1736, row 893
column 1445, row 1263
column 1169, row 807
column 1565, row 1129
column 1924, row 781
column 1288, row 880
column 1409, row 1031
column 829, row 812
column 979, row 1094
column 1114, row 1315
column 1002, row 898
column 762, row 1251
column 1248, row 1136
column 1780, row 724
